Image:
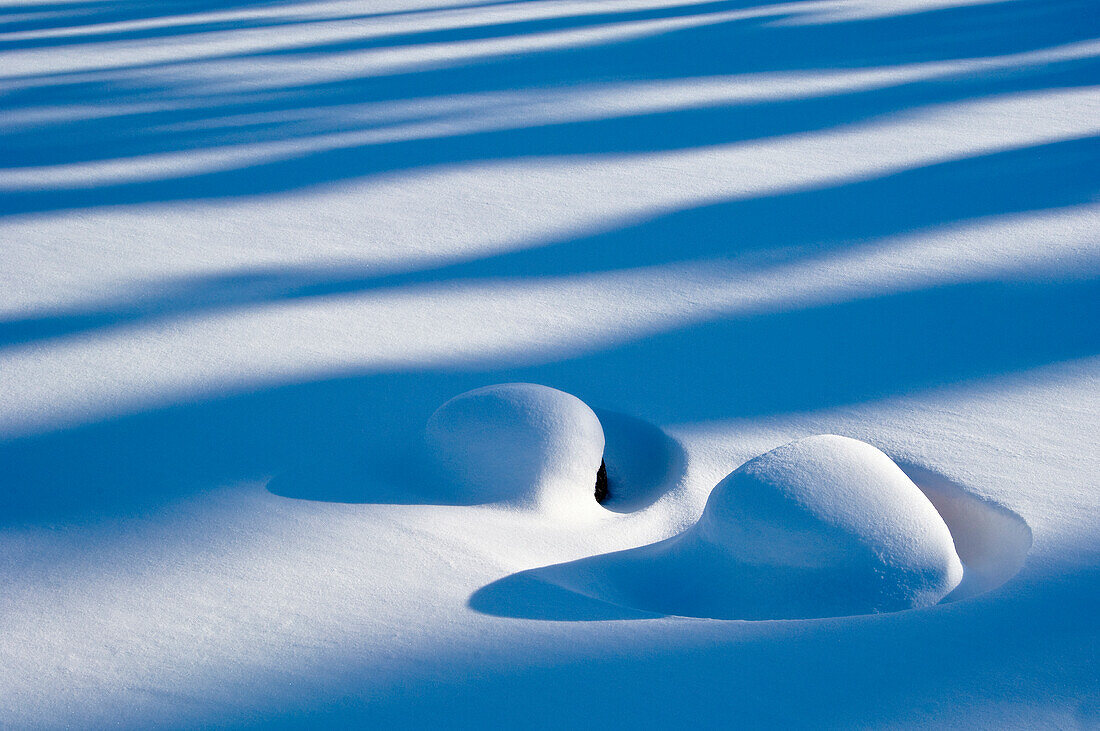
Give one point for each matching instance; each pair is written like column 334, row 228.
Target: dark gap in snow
column 601, row 483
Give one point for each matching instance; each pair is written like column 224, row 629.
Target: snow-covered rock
column 840, row 517
column 519, row 444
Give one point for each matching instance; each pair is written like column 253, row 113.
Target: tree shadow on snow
column 210, row 120
column 753, row 232
column 359, row 427
column 364, row 428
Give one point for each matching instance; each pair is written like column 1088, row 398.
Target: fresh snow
column 249, row 247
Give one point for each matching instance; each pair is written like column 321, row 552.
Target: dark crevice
column 601, row 483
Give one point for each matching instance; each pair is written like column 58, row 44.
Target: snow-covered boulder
column 841, row 520
column 825, row 526
column 519, row 444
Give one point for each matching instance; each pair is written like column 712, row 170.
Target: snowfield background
column 247, row 247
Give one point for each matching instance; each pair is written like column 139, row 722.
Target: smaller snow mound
column 519, row 444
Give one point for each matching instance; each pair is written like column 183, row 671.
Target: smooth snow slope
column 248, row 247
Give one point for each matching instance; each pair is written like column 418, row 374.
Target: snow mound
column 829, row 525
column 825, row 526
column 519, row 444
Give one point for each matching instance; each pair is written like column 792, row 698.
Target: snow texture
column 248, row 247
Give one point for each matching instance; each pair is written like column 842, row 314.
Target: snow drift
column 825, row 526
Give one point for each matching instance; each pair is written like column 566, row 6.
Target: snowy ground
column 247, row 247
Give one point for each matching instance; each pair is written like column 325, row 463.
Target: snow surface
column 247, row 248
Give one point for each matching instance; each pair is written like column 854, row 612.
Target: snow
column 519, row 444
column 249, row 247
column 825, row 526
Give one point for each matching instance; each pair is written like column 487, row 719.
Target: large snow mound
column 830, row 522
column 521, row 445
column 825, row 526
